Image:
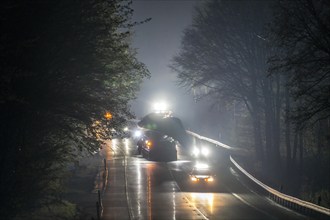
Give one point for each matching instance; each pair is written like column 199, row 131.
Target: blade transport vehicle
column 154, row 145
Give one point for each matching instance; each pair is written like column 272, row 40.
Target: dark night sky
column 157, row 42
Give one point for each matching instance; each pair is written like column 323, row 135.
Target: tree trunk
column 277, row 121
column 301, row 147
column 257, row 138
column 268, row 126
column 272, row 119
column 287, row 128
column 295, row 147
column 255, row 113
column 319, row 139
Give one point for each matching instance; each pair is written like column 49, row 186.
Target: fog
column 157, row 41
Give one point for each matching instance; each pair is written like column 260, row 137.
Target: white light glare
column 137, row 133
column 201, row 165
column 160, row 107
column 195, row 152
column 205, row 151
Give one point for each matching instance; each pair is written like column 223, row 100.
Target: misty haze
column 165, row 109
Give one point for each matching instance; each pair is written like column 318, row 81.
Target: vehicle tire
column 139, row 150
column 149, row 157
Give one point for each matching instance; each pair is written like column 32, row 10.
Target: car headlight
column 137, row 133
column 194, row 179
column 210, row 179
column 195, row 151
column 205, row 151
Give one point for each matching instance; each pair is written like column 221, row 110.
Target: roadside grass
column 80, row 187
column 63, row 210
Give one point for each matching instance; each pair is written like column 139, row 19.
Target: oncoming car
column 200, row 152
column 202, row 174
column 156, row 146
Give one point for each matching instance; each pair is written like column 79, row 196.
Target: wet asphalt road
column 142, row 189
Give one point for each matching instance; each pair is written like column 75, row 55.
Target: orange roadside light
column 108, row 115
column 149, row 144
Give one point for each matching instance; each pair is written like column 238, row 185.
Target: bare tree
column 224, row 55
column 301, row 31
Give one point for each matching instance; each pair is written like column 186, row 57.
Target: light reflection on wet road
column 142, row 189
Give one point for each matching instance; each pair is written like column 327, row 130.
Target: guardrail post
column 98, row 213
column 100, row 199
column 319, row 199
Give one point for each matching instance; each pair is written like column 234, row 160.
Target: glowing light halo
column 160, row 106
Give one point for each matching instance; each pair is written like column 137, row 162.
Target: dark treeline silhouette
column 64, row 64
column 268, row 63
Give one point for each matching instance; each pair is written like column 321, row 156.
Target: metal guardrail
column 102, row 181
column 234, row 150
column 276, row 195
column 212, row 141
column 280, row 195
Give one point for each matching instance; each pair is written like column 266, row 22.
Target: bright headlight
column 137, row 133
column 210, row 179
column 195, row 152
column 160, row 107
column 205, row 151
column 194, row 179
